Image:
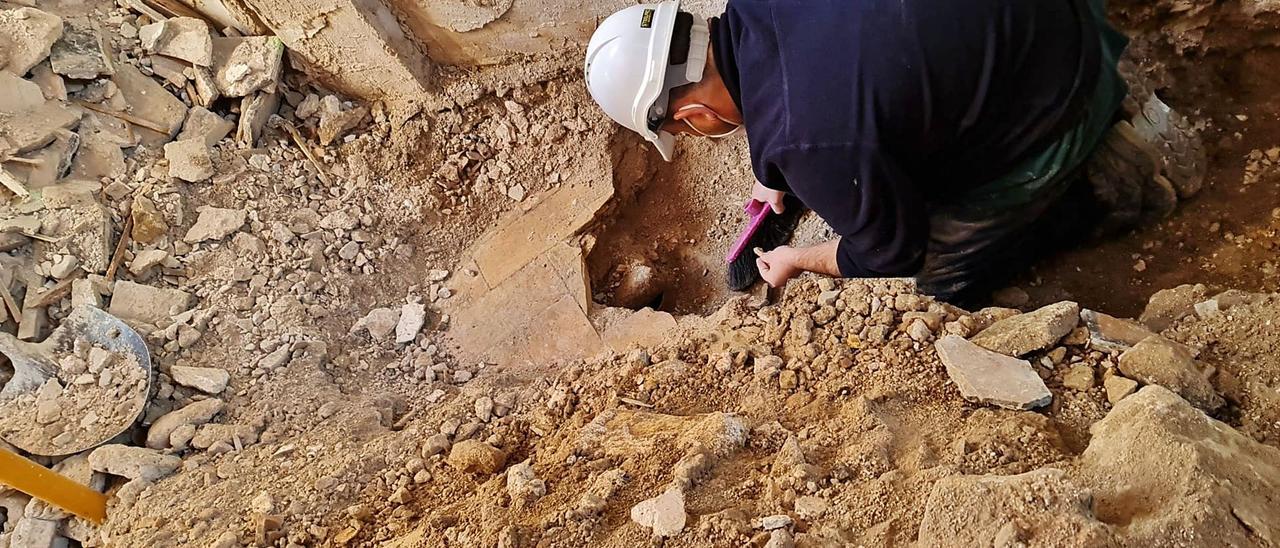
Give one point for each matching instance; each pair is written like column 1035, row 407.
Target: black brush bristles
column 774, row 231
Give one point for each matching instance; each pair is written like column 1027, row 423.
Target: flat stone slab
column 990, row 377
column 1032, row 331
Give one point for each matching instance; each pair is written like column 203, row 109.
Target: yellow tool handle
column 51, row 487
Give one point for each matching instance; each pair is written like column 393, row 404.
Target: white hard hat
column 630, row 70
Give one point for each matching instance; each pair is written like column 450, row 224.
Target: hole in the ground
column 662, row 242
column 662, row 246
column 6, row 371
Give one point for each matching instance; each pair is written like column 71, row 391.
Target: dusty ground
column 833, row 411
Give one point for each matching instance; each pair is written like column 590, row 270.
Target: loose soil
column 825, row 410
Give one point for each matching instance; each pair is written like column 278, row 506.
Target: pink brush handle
column 756, row 212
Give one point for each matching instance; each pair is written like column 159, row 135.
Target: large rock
column 1039, row 508
column 1157, row 472
column 1166, row 473
column 1156, row 360
column 27, row 34
column 1170, row 305
column 18, row 95
column 1032, row 331
column 989, row 377
column 81, row 53
column 133, row 462
column 150, row 101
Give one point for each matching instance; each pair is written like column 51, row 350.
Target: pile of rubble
column 111, row 124
column 837, row 425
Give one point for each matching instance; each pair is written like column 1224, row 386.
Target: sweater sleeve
column 867, row 199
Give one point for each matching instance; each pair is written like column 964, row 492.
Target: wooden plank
column 55, row 293
column 126, row 117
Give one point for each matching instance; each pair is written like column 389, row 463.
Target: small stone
column 349, row 251
column 194, row 414
column 516, row 192
column 148, row 223
column 336, row 121
column 205, row 125
column 1207, row 309
column 64, row 267
column 308, row 107
column 473, row 456
column 461, row 376
column 209, row 380
column 788, row 379
column 211, row 435
column 436, row 444
column 31, row 532
column 1170, row 305
column 637, row 285
column 133, row 462
column 412, row 318
column 1057, row 355
column 1156, row 360
column 780, row 538
column 379, row 323
column 1078, row 377
column 990, row 377
column 147, row 259
column 1032, row 331
column 523, row 485
column 828, row 297
column 1118, row 388
column 810, row 508
column 215, row 224
column 1112, row 334
column 664, row 514
column 484, row 408
column 919, row 331
column 780, row 521
column 400, row 496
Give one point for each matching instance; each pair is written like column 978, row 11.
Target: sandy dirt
column 820, row 415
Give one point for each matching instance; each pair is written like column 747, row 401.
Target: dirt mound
column 1214, row 483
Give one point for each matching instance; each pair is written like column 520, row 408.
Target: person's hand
column 761, row 193
column 777, row 266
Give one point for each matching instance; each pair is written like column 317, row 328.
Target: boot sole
column 1180, row 150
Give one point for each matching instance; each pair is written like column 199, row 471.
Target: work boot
column 1122, row 171
column 1181, row 151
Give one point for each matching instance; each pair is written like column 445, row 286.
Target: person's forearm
column 820, row 259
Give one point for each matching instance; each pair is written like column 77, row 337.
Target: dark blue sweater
column 873, row 111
